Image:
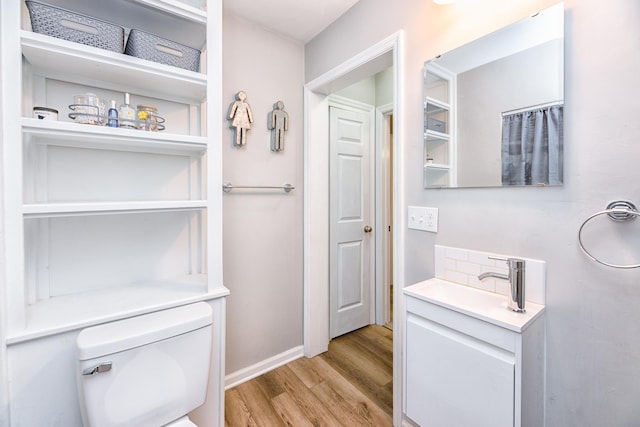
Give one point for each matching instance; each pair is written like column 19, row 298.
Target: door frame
column 316, row 198
column 383, row 150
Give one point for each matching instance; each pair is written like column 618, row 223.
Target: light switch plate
column 422, row 218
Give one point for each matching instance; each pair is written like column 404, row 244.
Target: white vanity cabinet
column 464, row 366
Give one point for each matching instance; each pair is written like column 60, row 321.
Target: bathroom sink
column 488, row 306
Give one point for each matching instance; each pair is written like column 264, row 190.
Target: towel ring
column 619, row 211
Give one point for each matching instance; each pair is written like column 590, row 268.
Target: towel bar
column 227, row 187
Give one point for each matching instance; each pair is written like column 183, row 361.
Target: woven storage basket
column 153, row 48
column 67, row 25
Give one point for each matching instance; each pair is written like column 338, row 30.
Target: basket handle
column 169, row 50
column 78, row 26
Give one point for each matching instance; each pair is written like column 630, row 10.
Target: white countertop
column 488, row 306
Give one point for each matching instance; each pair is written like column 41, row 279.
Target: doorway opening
column 352, row 213
column 379, row 57
column 361, row 196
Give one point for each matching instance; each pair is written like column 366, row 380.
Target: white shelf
column 47, row 210
column 101, row 137
column 62, row 59
column 434, row 134
column 437, row 167
column 177, row 9
column 435, row 106
column 76, row 311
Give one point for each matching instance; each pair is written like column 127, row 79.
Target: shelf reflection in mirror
column 485, row 102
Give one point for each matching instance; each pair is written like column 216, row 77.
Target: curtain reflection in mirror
column 532, row 147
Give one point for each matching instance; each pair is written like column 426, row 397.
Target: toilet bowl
column 145, row 371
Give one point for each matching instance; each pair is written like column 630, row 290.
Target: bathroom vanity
column 469, row 360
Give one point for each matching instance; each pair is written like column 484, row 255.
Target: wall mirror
column 493, row 108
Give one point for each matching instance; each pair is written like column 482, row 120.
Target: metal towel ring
column 620, row 211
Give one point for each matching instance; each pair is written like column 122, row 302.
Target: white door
column 351, row 219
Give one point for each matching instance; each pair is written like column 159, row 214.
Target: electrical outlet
column 422, row 218
column 431, row 215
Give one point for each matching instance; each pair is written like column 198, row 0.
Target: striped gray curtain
column 532, row 147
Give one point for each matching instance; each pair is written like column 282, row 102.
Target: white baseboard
column 262, row 367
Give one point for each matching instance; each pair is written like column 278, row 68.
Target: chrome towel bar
column 227, row 187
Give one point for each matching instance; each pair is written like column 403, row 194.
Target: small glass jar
column 147, row 118
column 89, row 109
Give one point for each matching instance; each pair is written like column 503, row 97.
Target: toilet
column 145, row 371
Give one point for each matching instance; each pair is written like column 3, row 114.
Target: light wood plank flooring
column 349, row 385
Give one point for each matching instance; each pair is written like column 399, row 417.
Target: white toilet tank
column 149, row 370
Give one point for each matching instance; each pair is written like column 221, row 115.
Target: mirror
column 493, row 108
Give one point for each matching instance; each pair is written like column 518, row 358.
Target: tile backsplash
column 463, row 266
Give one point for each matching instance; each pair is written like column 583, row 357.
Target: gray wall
column 375, row 90
column 593, row 354
column 384, row 87
column 262, row 230
column 363, row 91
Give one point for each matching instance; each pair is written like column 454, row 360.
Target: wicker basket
column 153, row 48
column 67, row 25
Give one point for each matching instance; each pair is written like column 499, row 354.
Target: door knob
column 368, row 229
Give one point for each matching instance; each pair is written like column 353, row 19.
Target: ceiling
column 299, row 19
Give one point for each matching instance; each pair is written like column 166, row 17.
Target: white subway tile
column 535, row 277
column 481, row 258
column 458, row 254
column 468, row 268
column 502, row 287
column 456, row 277
column 439, row 261
column 450, row 264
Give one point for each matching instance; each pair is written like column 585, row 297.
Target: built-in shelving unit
column 439, row 127
column 111, row 222
column 105, row 223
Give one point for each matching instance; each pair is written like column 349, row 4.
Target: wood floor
column 349, row 385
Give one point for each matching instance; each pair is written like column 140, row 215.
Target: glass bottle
column 127, row 114
column 112, row 115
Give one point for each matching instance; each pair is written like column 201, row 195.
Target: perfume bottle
column 112, row 115
column 127, row 114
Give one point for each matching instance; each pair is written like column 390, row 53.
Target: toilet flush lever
column 98, row 369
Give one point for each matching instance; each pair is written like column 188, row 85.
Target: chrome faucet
column 516, row 281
